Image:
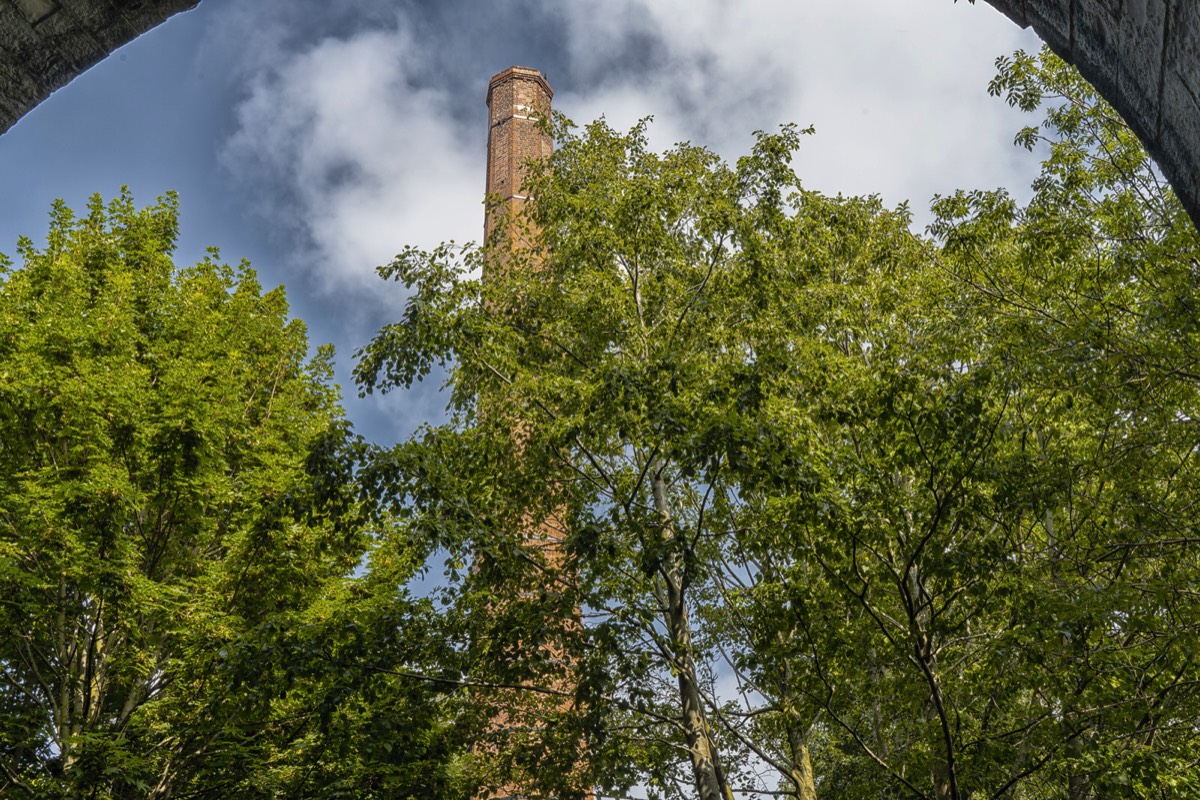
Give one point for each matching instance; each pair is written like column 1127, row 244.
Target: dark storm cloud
column 461, row 42
column 464, row 42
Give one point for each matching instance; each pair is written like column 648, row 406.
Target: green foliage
column 1087, row 289
column 924, row 503
column 626, row 395
column 179, row 518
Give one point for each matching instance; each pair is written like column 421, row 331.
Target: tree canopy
column 745, row 490
column 180, row 519
column 847, row 510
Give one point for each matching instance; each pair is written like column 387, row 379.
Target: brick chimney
column 517, row 99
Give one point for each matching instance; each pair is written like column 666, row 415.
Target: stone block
column 1096, row 42
column 1183, row 45
column 1051, row 19
column 62, row 21
column 36, row 10
column 90, row 13
column 78, row 49
column 1013, row 9
column 1180, row 111
column 1118, row 46
column 1140, row 56
column 118, row 32
column 70, row 39
column 18, row 34
column 18, row 85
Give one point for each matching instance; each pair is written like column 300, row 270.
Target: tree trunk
column 801, row 774
column 1072, row 647
column 802, row 771
column 706, row 764
column 944, row 772
column 1077, row 784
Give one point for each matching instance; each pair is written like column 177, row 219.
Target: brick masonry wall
column 517, row 100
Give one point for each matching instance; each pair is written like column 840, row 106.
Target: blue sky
column 317, row 139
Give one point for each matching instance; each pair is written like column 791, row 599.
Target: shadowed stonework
column 46, row 43
column 1144, row 58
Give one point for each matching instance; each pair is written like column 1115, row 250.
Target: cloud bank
column 365, row 133
column 361, row 125
column 353, row 159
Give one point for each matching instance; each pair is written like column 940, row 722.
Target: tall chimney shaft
column 518, row 99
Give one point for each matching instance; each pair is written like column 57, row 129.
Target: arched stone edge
column 1143, row 56
column 46, row 43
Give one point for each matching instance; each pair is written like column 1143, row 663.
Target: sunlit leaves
column 178, row 507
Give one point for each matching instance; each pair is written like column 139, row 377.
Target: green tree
column 975, row 574
column 975, row 577
column 180, row 514
column 1092, row 287
column 847, row 509
column 640, row 344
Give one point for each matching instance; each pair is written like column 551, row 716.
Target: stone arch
column 1142, row 55
column 46, row 43
column 1144, row 58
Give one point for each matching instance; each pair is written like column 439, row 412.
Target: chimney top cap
column 514, row 72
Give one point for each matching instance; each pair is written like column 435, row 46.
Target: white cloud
column 353, row 133
column 338, row 148
column 358, row 161
column 895, row 89
column 354, row 158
